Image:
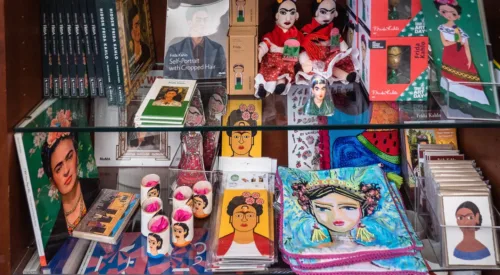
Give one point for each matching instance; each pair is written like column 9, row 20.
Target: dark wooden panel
column 492, row 9
column 483, row 145
column 158, row 10
column 24, row 91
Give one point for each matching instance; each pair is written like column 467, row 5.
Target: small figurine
column 394, row 56
column 320, row 102
column 240, row 6
column 393, row 9
column 325, row 51
column 276, row 51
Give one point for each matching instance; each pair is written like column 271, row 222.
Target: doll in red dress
column 276, row 51
column 325, row 52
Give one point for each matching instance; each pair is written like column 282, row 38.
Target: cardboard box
column 384, row 82
column 382, row 21
column 242, row 61
column 244, row 13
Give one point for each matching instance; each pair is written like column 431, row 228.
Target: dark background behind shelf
column 21, row 90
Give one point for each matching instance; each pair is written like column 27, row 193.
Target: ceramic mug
column 182, row 226
column 149, row 209
column 202, row 199
column 158, row 237
column 150, row 187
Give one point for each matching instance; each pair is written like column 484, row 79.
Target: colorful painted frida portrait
column 244, row 228
column 344, row 210
column 242, row 143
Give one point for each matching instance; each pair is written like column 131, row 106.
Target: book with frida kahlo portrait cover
column 459, row 41
column 56, row 167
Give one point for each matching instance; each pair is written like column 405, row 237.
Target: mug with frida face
column 158, row 237
column 150, row 187
column 182, row 226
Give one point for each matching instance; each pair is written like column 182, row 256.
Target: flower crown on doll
column 62, row 119
column 248, row 112
column 447, row 2
column 281, row 1
column 251, row 198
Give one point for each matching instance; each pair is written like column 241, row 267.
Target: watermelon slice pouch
column 340, row 216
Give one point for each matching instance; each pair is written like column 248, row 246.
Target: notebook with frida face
column 245, row 229
column 339, row 213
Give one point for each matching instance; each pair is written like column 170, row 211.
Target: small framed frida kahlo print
column 468, row 234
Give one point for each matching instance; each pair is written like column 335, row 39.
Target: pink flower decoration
column 251, row 108
column 179, row 196
column 260, row 201
column 255, row 195
column 159, row 225
column 246, row 194
column 201, row 191
column 182, row 215
column 243, row 107
column 335, row 31
column 255, row 116
column 249, row 200
column 151, row 183
column 63, row 119
column 152, row 207
column 246, row 116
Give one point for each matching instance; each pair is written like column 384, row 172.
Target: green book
column 168, row 99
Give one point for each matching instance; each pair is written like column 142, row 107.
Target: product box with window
column 244, row 13
column 390, row 18
column 242, row 61
column 394, row 68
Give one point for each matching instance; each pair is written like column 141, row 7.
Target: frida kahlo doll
column 276, row 52
column 325, row 51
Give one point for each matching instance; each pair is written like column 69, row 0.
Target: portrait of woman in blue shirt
column 469, row 248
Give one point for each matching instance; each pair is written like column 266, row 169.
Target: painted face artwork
column 216, row 104
column 287, row 15
column 241, row 141
column 337, row 212
column 179, row 233
column 154, row 245
column 199, row 205
column 465, row 217
column 153, row 192
column 198, row 24
column 363, row 50
column 64, row 165
column 449, row 12
column 169, row 96
column 194, row 117
column 136, row 28
column 326, row 12
column 319, row 91
column 244, row 218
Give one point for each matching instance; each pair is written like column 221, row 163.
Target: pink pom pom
column 179, row 196
column 201, row 191
column 153, row 207
column 182, row 215
column 159, row 225
column 151, row 183
column 249, row 200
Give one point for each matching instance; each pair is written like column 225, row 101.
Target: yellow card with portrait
column 245, row 143
column 245, row 225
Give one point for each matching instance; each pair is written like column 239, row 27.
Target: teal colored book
column 56, row 169
column 168, row 99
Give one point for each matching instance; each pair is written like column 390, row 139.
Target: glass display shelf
column 353, row 110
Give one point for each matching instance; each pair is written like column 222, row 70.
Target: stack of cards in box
column 460, row 199
column 244, row 235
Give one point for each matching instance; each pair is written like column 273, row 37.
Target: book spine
column 29, row 196
column 80, row 59
column 63, row 56
column 56, row 77
column 87, row 258
column 87, row 49
column 101, row 7
column 96, row 51
column 47, row 83
column 116, row 53
column 68, row 17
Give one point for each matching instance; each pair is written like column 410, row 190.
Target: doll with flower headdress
column 278, row 52
column 60, row 164
column 325, row 52
column 457, row 64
